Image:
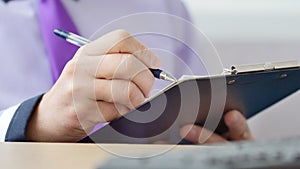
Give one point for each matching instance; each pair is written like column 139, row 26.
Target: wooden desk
column 69, row 155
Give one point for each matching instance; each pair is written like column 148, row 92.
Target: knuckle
column 121, row 33
column 127, row 67
column 135, row 95
column 110, row 112
column 146, row 80
column 109, row 88
column 70, row 67
column 132, row 92
column 80, row 51
column 104, row 111
column 144, row 52
column 149, row 85
column 70, row 90
column 122, row 38
column 129, row 62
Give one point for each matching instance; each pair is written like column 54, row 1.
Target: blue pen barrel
column 156, row 72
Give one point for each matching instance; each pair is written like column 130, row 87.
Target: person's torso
column 24, row 67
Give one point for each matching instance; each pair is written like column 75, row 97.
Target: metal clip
column 269, row 66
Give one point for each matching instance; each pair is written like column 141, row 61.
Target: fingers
column 118, row 91
column 120, row 41
column 126, row 67
column 112, row 72
column 117, row 66
column 237, row 125
column 110, row 111
column 199, row 135
column 100, row 112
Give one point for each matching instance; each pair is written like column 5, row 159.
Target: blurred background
column 256, row 31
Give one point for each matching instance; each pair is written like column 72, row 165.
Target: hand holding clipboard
column 249, row 89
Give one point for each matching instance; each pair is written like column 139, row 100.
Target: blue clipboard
column 249, row 89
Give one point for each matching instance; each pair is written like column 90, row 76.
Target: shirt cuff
column 5, row 119
column 17, row 127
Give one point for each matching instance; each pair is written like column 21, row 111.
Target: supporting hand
column 234, row 120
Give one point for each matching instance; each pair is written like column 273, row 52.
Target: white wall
column 247, row 19
column 256, row 31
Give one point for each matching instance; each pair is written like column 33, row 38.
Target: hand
column 105, row 79
column 234, row 120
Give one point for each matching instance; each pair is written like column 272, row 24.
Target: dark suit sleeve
column 17, row 127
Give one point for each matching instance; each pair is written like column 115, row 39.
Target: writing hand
column 105, row 79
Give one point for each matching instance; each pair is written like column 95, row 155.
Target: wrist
column 18, row 125
column 32, row 131
column 49, row 122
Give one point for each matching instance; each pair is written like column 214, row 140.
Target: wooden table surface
column 72, row 155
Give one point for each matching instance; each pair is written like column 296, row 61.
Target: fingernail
column 231, row 118
column 234, row 117
column 191, row 135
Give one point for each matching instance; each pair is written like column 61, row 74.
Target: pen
column 80, row 41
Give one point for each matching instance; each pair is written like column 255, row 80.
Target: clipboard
column 249, row 89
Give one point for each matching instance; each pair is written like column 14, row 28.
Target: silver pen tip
column 167, row 77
